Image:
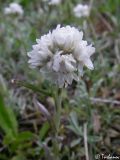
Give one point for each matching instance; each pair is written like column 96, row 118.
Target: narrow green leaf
column 24, row 136
column 31, row 86
column 75, row 142
column 8, row 120
column 44, row 130
column 22, row 141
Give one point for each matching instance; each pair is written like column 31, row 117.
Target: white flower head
column 61, row 55
column 14, row 8
column 81, row 10
column 54, row 2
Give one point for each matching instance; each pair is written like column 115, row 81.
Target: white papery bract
column 61, row 54
column 81, row 10
column 14, row 8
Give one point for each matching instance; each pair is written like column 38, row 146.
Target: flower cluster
column 54, row 2
column 61, row 54
column 81, row 10
column 14, row 8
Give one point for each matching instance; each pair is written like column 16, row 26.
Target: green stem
column 57, row 117
column 56, row 149
column 58, row 101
